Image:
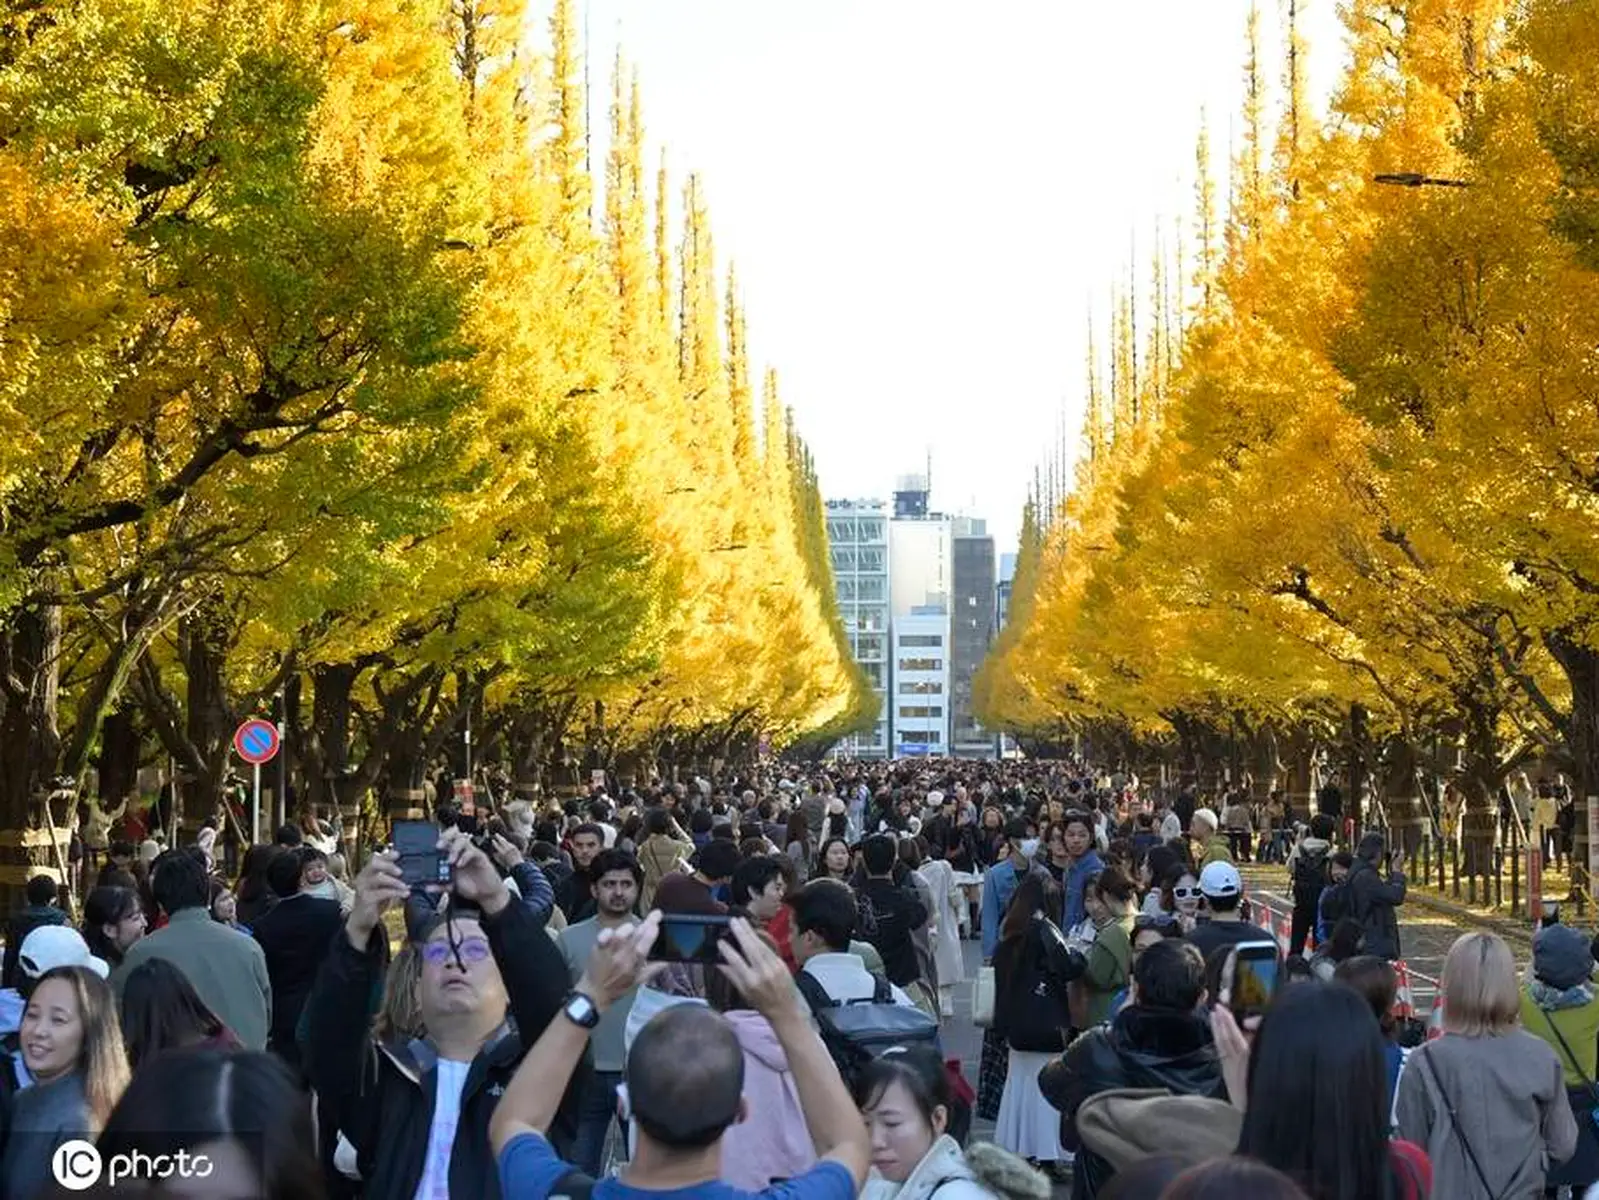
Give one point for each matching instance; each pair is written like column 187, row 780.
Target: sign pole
column 255, row 809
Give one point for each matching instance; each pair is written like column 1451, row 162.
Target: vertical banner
column 1593, row 846
column 1535, row 883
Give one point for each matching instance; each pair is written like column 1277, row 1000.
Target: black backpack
column 1310, row 875
column 857, row 1031
column 1340, row 903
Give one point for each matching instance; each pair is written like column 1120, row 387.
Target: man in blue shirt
column 999, row 883
column 685, row 1084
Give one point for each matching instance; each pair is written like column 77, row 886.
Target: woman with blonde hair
column 1488, row 1099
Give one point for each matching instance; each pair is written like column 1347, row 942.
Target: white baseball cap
column 52, row 946
column 1220, row 879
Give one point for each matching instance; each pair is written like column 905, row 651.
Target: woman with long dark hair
column 833, row 860
column 71, row 1044
column 162, row 1011
column 113, row 919
column 1031, row 1014
column 242, row 1110
column 255, row 895
column 1317, row 1097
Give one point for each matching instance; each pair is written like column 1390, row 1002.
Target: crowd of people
column 745, row 985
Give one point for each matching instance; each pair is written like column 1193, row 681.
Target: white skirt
column 1027, row 1125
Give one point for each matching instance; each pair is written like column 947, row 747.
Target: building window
column 920, row 710
column 925, row 737
column 920, row 689
column 921, row 664
column 922, row 641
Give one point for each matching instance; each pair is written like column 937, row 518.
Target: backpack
column 1310, row 874
column 856, row 1032
column 1336, row 903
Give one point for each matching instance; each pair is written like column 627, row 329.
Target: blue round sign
column 256, row 741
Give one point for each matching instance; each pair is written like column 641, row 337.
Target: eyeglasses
column 472, row 950
column 1185, row 893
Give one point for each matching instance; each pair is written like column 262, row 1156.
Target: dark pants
column 1582, row 1168
column 1304, row 923
column 594, row 1115
column 1239, row 841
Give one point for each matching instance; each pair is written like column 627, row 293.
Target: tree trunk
column 1580, row 665
column 1407, row 815
column 30, row 750
column 1479, row 826
column 1265, row 763
column 1358, row 776
column 332, row 782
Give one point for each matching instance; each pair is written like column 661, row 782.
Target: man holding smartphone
column 418, row 1113
column 685, row 1079
column 1374, row 896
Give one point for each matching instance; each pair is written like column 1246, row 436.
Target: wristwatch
column 582, row 1011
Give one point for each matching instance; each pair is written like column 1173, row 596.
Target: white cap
column 52, row 946
column 1220, row 879
column 1208, row 816
column 935, row 799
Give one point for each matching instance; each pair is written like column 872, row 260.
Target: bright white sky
column 925, row 199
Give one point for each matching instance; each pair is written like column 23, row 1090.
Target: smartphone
column 689, row 938
column 421, row 863
column 1257, row 974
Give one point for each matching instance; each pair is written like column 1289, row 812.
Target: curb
column 1506, row 927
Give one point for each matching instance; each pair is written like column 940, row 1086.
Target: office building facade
column 972, row 629
column 857, row 533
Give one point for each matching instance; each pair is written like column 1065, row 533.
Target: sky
column 925, row 201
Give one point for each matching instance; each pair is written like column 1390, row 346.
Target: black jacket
column 1372, row 900
column 381, row 1096
column 895, row 912
column 1030, row 1001
column 22, row 924
column 294, row 935
column 1140, row 1048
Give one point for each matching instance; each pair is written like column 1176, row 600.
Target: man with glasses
column 418, row 1113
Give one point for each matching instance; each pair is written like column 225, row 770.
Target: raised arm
column 337, row 1050
column 834, row 1122
column 531, row 1101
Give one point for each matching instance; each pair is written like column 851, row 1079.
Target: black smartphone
column 1257, row 974
column 689, row 938
column 421, row 862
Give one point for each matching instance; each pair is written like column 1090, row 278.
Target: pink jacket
column 772, row 1141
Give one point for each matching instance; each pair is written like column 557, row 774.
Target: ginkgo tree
column 1359, row 512
column 329, row 371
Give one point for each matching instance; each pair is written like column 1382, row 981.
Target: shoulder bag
column 1593, row 1092
column 1460, row 1134
column 983, row 998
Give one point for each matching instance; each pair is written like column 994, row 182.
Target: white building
column 857, row 533
column 921, row 683
column 921, row 567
